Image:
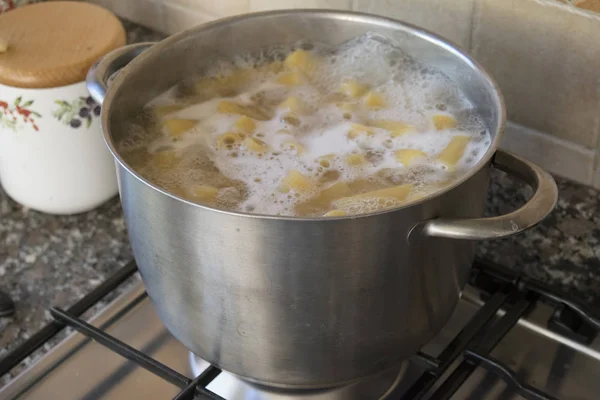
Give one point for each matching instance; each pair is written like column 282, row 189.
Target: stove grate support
column 528, row 392
column 484, row 344
column 474, row 343
column 479, row 322
column 36, row 341
column 191, row 389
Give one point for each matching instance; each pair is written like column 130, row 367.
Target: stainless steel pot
column 298, row 302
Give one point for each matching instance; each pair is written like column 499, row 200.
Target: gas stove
column 509, row 338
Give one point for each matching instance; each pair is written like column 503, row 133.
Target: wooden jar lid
column 55, row 43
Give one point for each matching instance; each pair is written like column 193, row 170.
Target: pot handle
column 530, row 214
column 99, row 76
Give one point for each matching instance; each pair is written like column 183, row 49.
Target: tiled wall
column 545, row 54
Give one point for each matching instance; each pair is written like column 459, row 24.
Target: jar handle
column 103, row 71
column 530, row 214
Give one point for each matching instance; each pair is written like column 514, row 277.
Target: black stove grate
column 444, row 374
column 36, row 341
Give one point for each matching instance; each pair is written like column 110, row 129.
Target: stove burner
column 231, row 387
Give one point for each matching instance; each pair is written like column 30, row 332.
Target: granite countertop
column 54, row 260
column 50, row 260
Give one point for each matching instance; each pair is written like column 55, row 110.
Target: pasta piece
column 290, row 79
column 245, row 125
column 300, row 60
column 203, row 193
column 399, row 192
column 406, row 156
column 233, row 83
column 294, row 146
column 322, row 201
column 136, row 158
column 335, row 191
column 229, row 107
column 346, row 106
column 331, row 175
column 358, row 129
column 237, row 77
column 228, row 139
column 226, row 85
column 274, row 67
column 395, row 134
column 291, row 119
column 353, row 134
column 442, row 122
column 454, row 151
column 355, row 159
column 335, row 213
column 208, row 87
column 363, row 128
column 363, row 185
column 374, row 100
column 396, row 128
column 428, row 189
column 353, row 88
column 165, row 159
column 395, row 192
column 297, row 182
column 294, row 105
column 354, row 206
column 163, row 110
column 177, row 127
column 376, row 200
column 416, row 196
column 255, row 145
column 441, row 184
column 177, row 191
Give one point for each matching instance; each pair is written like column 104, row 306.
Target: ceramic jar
column 52, row 155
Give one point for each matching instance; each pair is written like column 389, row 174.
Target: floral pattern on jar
column 76, row 112
column 16, row 114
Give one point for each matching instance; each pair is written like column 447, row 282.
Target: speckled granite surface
column 50, row 260
column 55, row 260
column 563, row 250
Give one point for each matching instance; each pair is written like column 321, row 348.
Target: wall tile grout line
column 474, row 18
column 541, row 53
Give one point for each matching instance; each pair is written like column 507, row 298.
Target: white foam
column 413, row 94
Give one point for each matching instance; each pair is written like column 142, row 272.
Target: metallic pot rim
column 414, row 30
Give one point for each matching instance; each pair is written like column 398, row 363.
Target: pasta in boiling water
column 317, row 132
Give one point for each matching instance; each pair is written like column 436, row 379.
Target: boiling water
column 309, row 130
